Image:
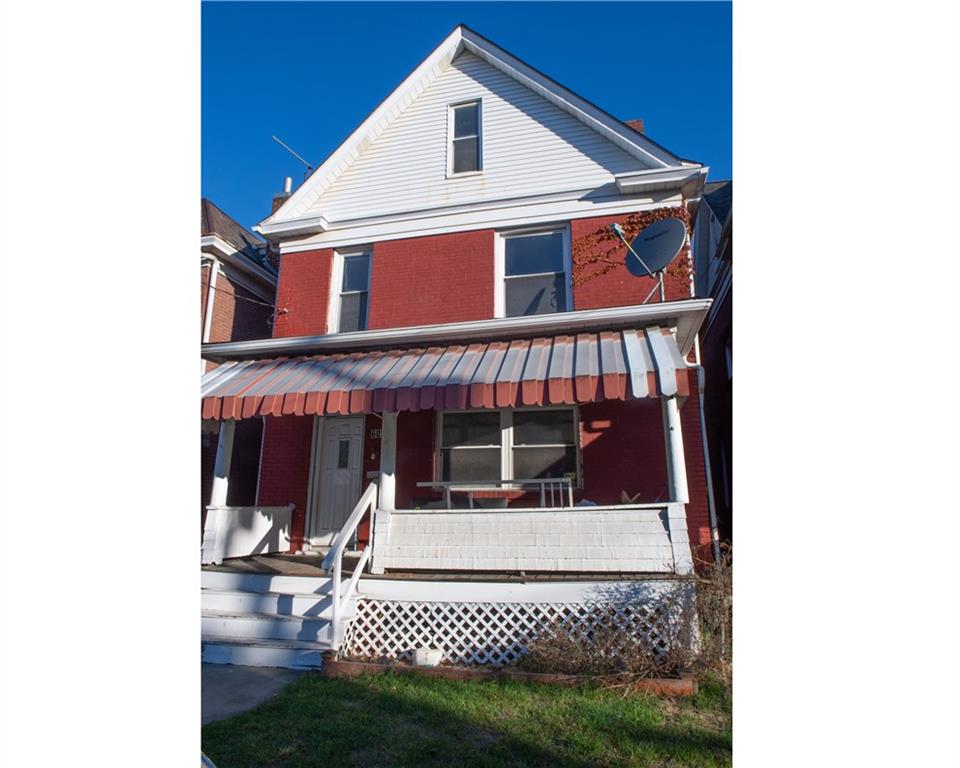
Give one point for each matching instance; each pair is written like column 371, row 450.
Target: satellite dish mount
column 653, row 249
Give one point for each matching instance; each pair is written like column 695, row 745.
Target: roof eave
column 686, row 316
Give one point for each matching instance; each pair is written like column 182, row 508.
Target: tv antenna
column 292, row 152
column 653, row 249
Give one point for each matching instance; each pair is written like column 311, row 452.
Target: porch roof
column 546, row 370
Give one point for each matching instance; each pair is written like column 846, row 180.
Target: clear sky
column 310, row 72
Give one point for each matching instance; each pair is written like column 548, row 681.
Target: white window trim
column 499, row 263
column 336, row 285
column 506, row 441
column 450, row 110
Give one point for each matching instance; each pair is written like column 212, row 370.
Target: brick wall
column 238, row 314
column 619, row 288
column 439, row 279
column 285, row 470
column 303, row 291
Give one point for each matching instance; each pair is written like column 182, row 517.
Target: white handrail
column 335, row 558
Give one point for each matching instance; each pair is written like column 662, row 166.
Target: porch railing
column 559, row 488
column 334, row 560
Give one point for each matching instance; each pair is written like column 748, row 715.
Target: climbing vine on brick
column 599, row 252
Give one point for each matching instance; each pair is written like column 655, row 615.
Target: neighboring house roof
column 719, row 196
column 214, row 221
column 652, row 160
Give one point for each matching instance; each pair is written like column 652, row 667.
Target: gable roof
column 213, row 221
column 461, row 39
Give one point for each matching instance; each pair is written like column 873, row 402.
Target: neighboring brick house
column 462, row 365
column 238, row 283
column 713, row 244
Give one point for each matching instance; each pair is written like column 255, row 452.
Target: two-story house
column 238, row 283
column 465, row 387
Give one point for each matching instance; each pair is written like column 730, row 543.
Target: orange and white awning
column 548, row 370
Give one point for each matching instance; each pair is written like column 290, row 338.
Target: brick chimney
column 281, row 198
column 636, row 124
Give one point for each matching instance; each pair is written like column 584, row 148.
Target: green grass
column 406, row 720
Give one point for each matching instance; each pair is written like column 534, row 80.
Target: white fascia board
column 685, row 316
column 494, row 216
column 227, row 253
column 306, row 226
column 635, row 182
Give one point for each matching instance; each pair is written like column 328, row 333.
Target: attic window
column 464, row 129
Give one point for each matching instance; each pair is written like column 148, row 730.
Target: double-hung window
column 354, row 302
column 508, row 445
column 535, row 277
column 464, row 129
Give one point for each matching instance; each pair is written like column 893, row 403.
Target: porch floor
column 311, row 565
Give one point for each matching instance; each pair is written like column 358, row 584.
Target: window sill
column 464, row 175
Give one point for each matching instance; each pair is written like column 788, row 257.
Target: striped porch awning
column 556, row 370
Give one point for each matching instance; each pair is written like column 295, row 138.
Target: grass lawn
column 405, row 720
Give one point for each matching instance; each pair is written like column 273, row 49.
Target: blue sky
column 311, row 72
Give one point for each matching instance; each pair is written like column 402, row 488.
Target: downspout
column 208, row 308
column 701, row 382
column 711, row 505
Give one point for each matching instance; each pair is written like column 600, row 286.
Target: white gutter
column 686, row 316
column 230, row 254
column 211, row 291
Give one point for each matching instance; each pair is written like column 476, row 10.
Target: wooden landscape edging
column 659, row 686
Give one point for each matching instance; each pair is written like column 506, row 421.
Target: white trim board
column 467, row 219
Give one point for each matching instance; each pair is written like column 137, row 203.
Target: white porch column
column 221, row 470
column 388, row 463
column 673, row 437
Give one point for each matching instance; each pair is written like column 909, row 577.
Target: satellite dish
column 655, row 247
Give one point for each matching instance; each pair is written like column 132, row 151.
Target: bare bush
column 696, row 636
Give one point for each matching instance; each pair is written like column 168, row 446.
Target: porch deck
column 311, row 565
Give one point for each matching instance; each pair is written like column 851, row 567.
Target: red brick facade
column 450, row 278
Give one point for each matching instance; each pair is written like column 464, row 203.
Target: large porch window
column 508, row 444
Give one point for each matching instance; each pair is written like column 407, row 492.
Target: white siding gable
column 530, row 148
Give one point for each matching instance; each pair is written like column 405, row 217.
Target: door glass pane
column 353, row 312
column 529, row 254
column 535, row 295
column 466, row 155
column 343, row 455
column 471, row 464
column 480, row 428
column 466, row 120
column 356, row 273
column 539, row 427
column 531, row 462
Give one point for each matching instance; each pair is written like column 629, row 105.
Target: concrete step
column 264, row 582
column 263, row 653
column 273, row 603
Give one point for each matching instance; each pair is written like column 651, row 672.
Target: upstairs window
column 464, row 147
column 354, row 292
column 535, row 274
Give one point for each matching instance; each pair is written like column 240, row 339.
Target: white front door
column 338, row 462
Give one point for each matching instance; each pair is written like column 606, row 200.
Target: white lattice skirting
column 497, row 634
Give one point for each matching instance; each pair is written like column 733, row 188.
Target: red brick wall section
column 698, row 510
column 415, row 438
column 302, row 293
column 285, row 470
column 619, row 288
column 438, row 279
column 622, row 449
column 238, row 319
